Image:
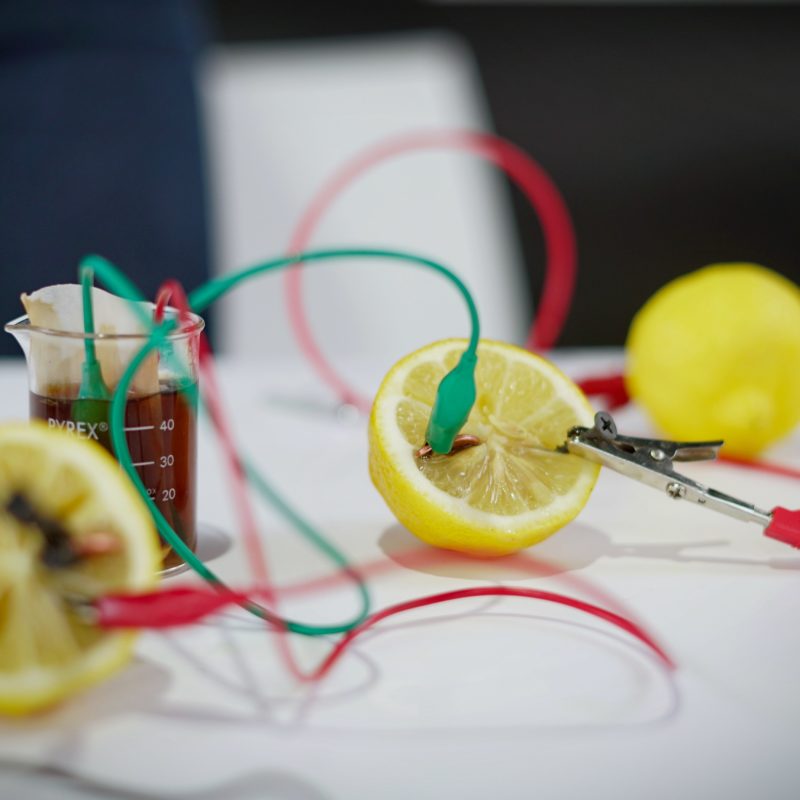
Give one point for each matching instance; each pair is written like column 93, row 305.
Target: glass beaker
column 160, row 411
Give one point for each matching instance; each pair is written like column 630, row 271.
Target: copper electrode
column 461, row 442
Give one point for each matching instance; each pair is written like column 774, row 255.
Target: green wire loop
column 205, row 295
column 199, row 300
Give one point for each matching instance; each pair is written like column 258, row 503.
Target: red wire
column 560, row 248
column 613, row 390
column 172, row 290
column 424, row 557
column 116, row 608
column 529, row 177
column 610, row 387
column 491, row 591
column 184, row 605
column 761, row 466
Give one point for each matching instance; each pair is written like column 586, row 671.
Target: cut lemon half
column 508, row 492
column 61, row 497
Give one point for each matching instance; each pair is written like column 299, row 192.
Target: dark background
column 673, row 132
column 100, row 146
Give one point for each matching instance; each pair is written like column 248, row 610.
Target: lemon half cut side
column 508, row 492
column 47, row 650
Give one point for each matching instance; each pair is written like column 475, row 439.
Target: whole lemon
column 715, row 354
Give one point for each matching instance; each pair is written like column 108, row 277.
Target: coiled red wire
column 531, row 179
column 183, row 605
column 560, row 271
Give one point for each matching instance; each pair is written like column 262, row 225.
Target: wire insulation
column 184, row 605
column 198, row 300
column 531, row 179
column 241, row 471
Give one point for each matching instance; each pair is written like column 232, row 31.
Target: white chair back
column 281, row 119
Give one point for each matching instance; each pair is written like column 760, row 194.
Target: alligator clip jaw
column 650, row 461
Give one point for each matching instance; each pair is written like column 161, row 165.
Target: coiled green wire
column 199, row 300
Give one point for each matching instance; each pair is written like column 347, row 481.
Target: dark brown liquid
column 161, row 431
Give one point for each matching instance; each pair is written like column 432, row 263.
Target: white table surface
column 510, row 698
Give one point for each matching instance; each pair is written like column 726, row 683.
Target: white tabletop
column 510, row 698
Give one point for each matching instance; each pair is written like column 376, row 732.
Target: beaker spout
column 20, row 329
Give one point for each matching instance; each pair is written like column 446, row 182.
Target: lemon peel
column 47, row 652
column 715, row 354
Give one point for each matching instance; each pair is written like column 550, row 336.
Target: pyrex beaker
column 160, row 411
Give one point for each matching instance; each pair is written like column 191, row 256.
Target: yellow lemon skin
column 47, row 653
column 715, row 354
column 506, row 494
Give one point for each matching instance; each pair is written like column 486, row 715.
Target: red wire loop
column 173, row 291
column 610, row 387
column 488, row 591
column 185, row 604
column 529, row 177
column 560, row 267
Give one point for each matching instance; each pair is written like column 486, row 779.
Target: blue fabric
column 100, row 145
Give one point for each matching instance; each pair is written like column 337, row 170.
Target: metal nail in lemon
column 72, row 528
column 715, row 354
column 503, row 485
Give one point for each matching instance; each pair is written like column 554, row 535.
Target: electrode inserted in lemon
column 508, row 489
column 72, row 528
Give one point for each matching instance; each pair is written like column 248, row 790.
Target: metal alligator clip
column 650, row 461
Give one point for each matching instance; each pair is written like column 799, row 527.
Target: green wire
column 267, row 492
column 86, row 277
column 111, row 276
column 203, row 296
column 92, row 386
column 199, row 300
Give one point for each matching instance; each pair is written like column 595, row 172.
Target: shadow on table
column 212, row 543
column 49, row 782
column 646, row 670
column 299, row 710
column 572, row 549
column 140, row 690
column 143, row 689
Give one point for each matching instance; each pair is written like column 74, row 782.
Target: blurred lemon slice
column 60, row 496
column 508, row 492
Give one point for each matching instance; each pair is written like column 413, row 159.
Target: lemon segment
column 47, row 651
column 715, row 354
column 510, row 491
